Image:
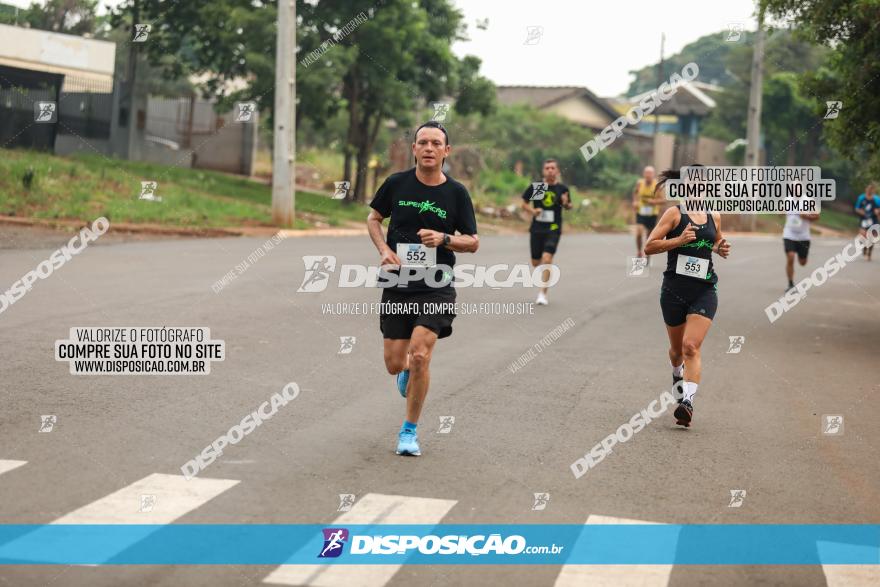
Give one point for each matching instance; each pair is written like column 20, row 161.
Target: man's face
column 551, row 172
column 430, row 148
column 648, row 174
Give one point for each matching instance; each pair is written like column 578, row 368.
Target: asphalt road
column 757, row 423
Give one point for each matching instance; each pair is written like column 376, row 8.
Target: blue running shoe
column 408, row 443
column 402, row 380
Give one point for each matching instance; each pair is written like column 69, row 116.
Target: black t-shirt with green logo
column 412, row 205
column 551, row 202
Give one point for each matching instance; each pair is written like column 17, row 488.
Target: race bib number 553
column 692, row 266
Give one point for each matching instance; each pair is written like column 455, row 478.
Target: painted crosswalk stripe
column 849, row 575
column 373, row 508
column 168, row 497
column 6, row 466
column 174, row 497
column 614, row 575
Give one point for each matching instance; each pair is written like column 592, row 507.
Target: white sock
column 677, row 371
column 690, row 390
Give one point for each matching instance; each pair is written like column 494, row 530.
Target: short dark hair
column 432, row 124
column 550, row 160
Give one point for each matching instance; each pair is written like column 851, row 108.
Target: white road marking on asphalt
column 849, row 575
column 373, row 508
column 6, row 466
column 175, row 496
column 614, row 575
column 169, row 498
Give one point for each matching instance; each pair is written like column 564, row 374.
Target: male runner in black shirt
column 426, row 208
column 546, row 212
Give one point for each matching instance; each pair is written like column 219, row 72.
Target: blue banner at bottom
column 455, row 544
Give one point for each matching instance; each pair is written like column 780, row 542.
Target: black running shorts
column 802, row 248
column 402, row 312
column 678, row 298
column 543, row 242
column 648, row 222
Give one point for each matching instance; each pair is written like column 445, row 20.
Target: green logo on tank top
column 700, row 244
column 424, row 206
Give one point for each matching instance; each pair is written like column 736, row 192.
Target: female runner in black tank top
column 688, row 296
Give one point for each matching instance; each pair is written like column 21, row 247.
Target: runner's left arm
column 722, row 247
column 467, row 240
column 566, row 200
column 459, row 243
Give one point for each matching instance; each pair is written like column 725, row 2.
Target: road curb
column 158, row 229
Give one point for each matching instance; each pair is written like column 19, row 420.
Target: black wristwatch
column 446, row 239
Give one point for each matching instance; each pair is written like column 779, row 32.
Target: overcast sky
column 591, row 43
column 584, row 43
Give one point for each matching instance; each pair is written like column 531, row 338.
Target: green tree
column 377, row 70
column 851, row 75
column 222, row 41
column 73, row 17
column 709, row 52
column 395, row 59
column 788, row 108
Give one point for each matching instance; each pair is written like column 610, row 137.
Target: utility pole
column 659, row 82
column 284, row 135
column 654, row 145
column 753, row 128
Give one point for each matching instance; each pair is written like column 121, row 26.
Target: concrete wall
column 189, row 133
column 57, row 53
column 232, row 147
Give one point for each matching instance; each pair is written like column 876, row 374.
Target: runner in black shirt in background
column 546, row 212
column 426, row 209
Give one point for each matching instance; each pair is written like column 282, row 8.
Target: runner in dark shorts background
column 426, row 208
column 646, row 205
column 796, row 241
column 544, row 203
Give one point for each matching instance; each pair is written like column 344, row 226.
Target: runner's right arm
column 657, row 241
column 374, row 227
column 526, row 203
column 635, row 195
column 381, row 209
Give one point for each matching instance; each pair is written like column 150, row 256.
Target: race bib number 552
column 416, row 255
